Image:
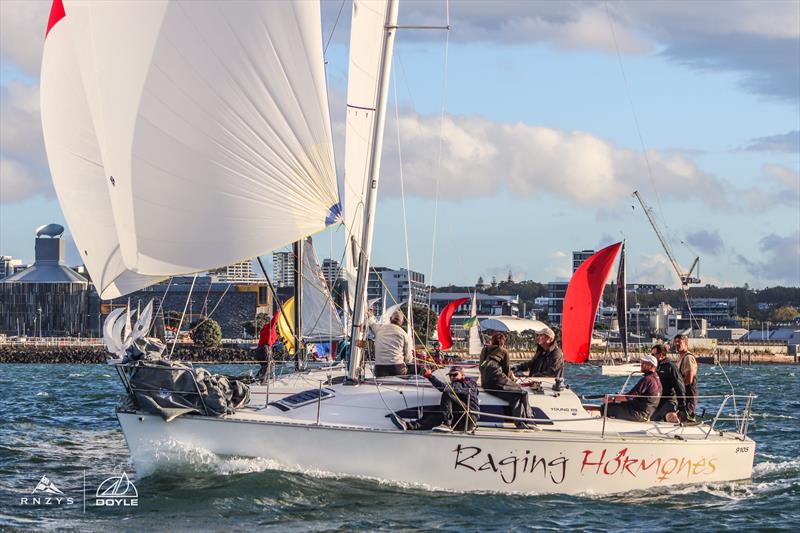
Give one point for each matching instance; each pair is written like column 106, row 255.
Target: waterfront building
column 487, row 305
column 48, row 298
column 394, row 286
column 644, row 288
column 283, row 269
column 579, row 256
column 241, row 272
column 556, row 290
column 10, row 266
column 717, row 311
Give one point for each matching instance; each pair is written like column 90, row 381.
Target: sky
column 523, row 132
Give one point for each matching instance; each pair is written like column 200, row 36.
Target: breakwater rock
column 17, row 353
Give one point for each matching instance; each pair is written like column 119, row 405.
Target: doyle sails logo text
column 46, row 493
column 117, row 491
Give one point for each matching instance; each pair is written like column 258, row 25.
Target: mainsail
column 581, row 302
column 76, row 165
column 210, row 126
column 366, row 46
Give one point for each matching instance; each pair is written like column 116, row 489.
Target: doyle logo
column 117, row 491
column 46, row 493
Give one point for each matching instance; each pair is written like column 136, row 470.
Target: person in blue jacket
column 457, row 407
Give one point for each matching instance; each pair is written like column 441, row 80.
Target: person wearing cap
column 457, row 406
column 673, row 390
column 497, row 380
column 548, row 361
column 687, row 365
column 639, row 403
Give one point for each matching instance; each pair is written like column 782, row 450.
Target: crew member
column 497, row 379
column 687, row 365
column 673, row 391
column 393, row 347
column 639, row 403
column 548, row 361
column 457, row 406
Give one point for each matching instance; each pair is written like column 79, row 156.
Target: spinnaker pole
column 358, row 331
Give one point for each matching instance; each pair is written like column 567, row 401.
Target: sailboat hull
column 517, row 462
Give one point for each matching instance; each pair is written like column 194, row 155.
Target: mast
column 358, row 332
column 622, row 303
column 299, row 349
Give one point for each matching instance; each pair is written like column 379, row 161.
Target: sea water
column 58, row 422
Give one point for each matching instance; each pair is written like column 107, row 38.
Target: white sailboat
column 176, row 101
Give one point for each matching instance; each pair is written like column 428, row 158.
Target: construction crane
column 686, row 278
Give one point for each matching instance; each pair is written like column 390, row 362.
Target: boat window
column 303, row 398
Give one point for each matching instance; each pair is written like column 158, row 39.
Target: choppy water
column 58, row 421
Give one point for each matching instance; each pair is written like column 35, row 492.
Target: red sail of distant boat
column 582, row 301
column 443, row 324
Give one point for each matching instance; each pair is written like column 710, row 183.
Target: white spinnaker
column 77, row 168
column 212, row 118
column 112, row 343
column 117, row 332
column 366, row 45
column 319, row 317
column 143, row 323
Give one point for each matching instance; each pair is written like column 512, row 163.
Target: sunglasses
column 451, row 374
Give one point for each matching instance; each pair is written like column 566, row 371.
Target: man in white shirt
column 394, row 349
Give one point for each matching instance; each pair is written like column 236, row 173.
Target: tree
column 786, row 313
column 207, row 333
column 424, row 323
column 510, row 278
column 494, row 281
column 172, row 319
column 480, row 284
column 253, row 327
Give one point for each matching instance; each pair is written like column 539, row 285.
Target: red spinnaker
column 582, row 301
column 56, row 13
column 443, row 324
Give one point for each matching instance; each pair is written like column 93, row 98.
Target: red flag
column 443, row 324
column 582, row 301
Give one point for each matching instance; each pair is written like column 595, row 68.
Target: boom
column 686, row 278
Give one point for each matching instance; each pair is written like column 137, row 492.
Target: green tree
column 207, row 333
column 424, row 323
column 172, row 319
column 253, row 327
column 786, row 313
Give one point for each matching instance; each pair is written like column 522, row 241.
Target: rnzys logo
column 117, row 491
column 46, row 493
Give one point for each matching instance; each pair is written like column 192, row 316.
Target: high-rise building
column 10, row 266
column 331, row 271
column 283, row 269
column 579, row 256
column 395, row 285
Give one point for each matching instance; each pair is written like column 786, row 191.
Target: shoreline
column 15, row 354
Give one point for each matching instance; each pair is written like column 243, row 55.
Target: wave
column 773, row 415
column 769, row 468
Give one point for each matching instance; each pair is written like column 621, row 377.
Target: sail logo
column 46, row 493
column 117, row 491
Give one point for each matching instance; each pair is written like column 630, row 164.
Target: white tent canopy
column 510, row 323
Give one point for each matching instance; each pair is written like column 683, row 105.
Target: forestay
column 213, row 126
column 366, row 47
column 76, row 165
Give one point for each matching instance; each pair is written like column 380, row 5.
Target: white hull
column 575, row 451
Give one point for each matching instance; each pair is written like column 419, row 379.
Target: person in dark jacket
column 457, row 405
column 673, row 389
column 496, row 379
column 548, row 361
column 639, row 403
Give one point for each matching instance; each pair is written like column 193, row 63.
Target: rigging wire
column 180, row 323
column 330, row 37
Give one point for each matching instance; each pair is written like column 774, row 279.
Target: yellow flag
column 286, row 325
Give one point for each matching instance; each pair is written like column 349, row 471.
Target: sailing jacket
column 645, row 395
column 495, row 370
column 463, row 392
column 545, row 363
column 672, row 386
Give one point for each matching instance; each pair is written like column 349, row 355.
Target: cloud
column 707, row 241
column 481, row 157
column 22, row 27
column 23, row 163
column 779, row 186
column 782, row 260
column 654, row 268
column 787, row 142
column 558, row 254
